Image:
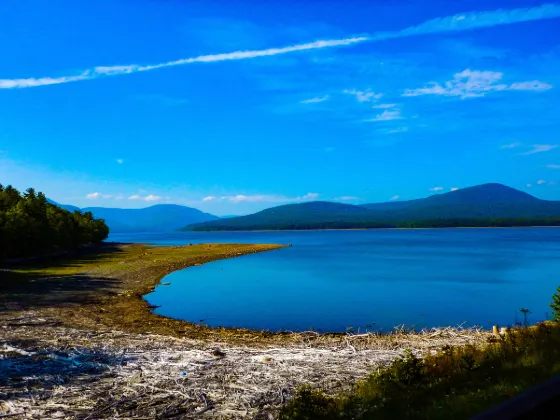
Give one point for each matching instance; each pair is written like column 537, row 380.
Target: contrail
column 460, row 22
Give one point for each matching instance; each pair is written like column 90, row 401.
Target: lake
column 371, row 279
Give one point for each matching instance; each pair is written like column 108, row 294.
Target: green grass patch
column 455, row 383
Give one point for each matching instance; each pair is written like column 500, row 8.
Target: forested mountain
column 481, row 205
column 161, row 217
column 30, row 225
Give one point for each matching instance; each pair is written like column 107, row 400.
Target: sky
column 235, row 106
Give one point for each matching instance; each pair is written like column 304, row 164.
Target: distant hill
column 64, row 206
column 286, row 216
column 161, row 217
column 484, row 205
column 480, row 201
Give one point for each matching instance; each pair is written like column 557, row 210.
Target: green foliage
column 30, row 225
column 457, row 382
column 555, row 305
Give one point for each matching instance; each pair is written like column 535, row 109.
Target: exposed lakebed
column 375, row 280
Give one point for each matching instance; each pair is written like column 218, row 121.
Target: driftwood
column 62, row 373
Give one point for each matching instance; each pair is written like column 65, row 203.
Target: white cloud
column 347, row 198
column 267, row 198
column 310, row 196
column 149, row 197
column 551, row 166
column 541, row 182
column 387, row 115
column 394, row 130
column 152, row 197
column 454, row 189
column 209, row 198
column 510, row 145
column 395, row 197
column 539, row 148
column 436, row 189
column 474, row 83
column 120, row 161
column 96, row 195
column 364, row 96
column 532, row 85
column 459, row 22
column 316, row 100
column 105, row 71
column 384, row 106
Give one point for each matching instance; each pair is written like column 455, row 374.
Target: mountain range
column 161, row 217
column 482, row 205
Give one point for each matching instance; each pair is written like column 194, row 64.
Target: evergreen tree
column 30, row 225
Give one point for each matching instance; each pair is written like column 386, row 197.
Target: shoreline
column 81, row 330
column 370, row 229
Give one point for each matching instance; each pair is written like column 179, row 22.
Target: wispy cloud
column 529, row 185
column 384, row 106
column 363, row 96
column 209, row 198
column 347, row 198
column 510, row 145
column 436, row 189
column 149, row 197
column 453, row 189
column 120, row 161
column 403, row 129
column 459, row 22
column 473, row 84
column 387, row 115
column 152, row 197
column 552, row 166
column 268, row 198
column 96, row 195
column 539, row 148
column 316, row 100
column 541, row 182
column 395, row 197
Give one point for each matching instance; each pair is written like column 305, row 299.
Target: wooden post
column 496, row 330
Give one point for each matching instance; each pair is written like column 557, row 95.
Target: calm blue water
column 377, row 279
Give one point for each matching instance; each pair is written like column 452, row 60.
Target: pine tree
column 555, row 305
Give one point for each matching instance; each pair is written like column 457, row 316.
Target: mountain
column 290, row 215
column 480, row 201
column 64, row 206
column 161, row 217
column 487, row 204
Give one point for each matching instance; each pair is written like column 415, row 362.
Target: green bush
column 457, row 382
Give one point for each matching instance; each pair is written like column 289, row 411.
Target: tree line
column 410, row 224
column 31, row 226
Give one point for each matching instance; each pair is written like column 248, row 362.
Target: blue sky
column 232, row 107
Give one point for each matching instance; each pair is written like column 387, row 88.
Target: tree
column 525, row 312
column 555, row 305
column 30, row 225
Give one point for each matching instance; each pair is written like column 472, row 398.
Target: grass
column 103, row 287
column 455, row 383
